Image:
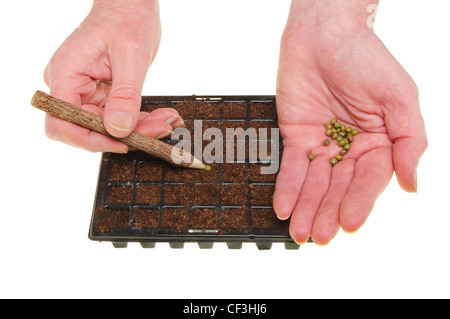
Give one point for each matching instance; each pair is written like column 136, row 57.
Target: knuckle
column 53, row 128
column 127, row 94
column 47, row 75
column 406, row 93
column 423, row 144
column 51, row 131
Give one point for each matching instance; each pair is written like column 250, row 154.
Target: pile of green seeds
column 343, row 136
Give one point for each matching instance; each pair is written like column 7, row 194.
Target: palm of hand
column 357, row 81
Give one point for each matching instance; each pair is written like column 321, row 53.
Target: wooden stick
column 77, row 115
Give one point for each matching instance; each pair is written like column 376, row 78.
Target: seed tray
column 142, row 199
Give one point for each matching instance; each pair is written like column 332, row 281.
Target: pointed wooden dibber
column 89, row 120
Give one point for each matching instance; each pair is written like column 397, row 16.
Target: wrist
column 118, row 12
column 125, row 5
column 332, row 14
column 122, row 2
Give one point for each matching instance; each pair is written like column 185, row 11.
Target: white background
column 212, row 47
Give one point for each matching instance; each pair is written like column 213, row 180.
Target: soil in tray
column 235, row 197
column 233, row 124
column 233, row 218
column 120, row 194
column 261, row 194
column 204, row 218
column 177, row 195
column 234, row 110
column 234, row 194
column 234, row 172
column 108, row 219
column 256, row 176
column 145, row 217
column 191, row 107
column 150, row 172
column 205, row 194
column 179, row 220
column 266, row 219
column 148, row 195
column 176, row 219
column 261, row 110
column 182, row 175
column 122, row 172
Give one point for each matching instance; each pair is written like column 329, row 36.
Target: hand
column 333, row 66
column 101, row 67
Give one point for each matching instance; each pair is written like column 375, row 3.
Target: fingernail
column 173, row 119
column 300, row 242
column 120, row 121
column 164, row 134
column 282, row 218
column 179, row 124
column 321, row 244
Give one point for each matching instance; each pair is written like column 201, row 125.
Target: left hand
column 343, row 71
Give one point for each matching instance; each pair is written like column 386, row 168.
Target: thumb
column 128, row 70
column 406, row 129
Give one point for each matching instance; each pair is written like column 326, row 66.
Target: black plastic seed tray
column 143, row 199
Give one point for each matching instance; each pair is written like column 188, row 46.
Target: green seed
column 207, row 168
column 311, row 157
column 344, row 136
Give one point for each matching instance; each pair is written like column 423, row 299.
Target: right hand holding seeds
column 332, row 66
column 101, row 67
